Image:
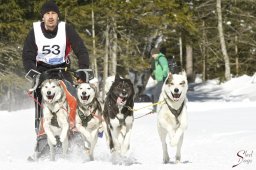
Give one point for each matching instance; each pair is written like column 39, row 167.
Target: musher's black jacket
column 30, row 49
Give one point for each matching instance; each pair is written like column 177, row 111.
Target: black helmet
column 81, row 75
column 84, row 74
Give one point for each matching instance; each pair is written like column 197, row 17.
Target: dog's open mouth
column 121, row 100
column 84, row 97
column 176, row 95
column 50, row 97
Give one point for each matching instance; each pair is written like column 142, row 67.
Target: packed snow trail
column 217, row 132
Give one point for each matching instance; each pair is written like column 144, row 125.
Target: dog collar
column 175, row 112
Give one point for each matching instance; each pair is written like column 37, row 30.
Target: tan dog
column 88, row 116
column 172, row 114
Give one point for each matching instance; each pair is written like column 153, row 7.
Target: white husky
column 55, row 110
column 88, row 116
column 172, row 114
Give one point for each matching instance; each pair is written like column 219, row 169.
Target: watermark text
column 244, row 156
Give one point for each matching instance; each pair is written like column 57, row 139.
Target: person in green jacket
column 160, row 72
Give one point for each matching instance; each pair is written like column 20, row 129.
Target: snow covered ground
column 221, row 133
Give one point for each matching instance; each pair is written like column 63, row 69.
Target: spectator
column 160, row 72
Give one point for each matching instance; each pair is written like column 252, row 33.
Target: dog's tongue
column 119, row 100
column 176, row 95
column 84, row 97
column 50, row 97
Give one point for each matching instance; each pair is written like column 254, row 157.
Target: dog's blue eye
column 53, row 86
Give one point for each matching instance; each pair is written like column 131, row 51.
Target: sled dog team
column 114, row 117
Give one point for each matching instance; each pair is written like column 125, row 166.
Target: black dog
column 118, row 115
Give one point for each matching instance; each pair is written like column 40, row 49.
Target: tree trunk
column 8, row 96
column 11, row 98
column 105, row 69
column 237, row 59
column 189, row 62
column 181, row 53
column 204, row 53
column 94, row 58
column 114, row 50
column 222, row 41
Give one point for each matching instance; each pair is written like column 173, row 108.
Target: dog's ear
column 77, row 85
column 183, row 73
column 59, row 82
column 94, row 88
column 117, row 77
column 42, row 84
column 170, row 75
column 169, row 78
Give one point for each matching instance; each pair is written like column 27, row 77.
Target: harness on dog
column 121, row 121
column 54, row 121
column 85, row 119
column 176, row 113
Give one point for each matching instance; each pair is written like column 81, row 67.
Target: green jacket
column 161, row 68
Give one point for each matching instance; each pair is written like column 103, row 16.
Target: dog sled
column 42, row 148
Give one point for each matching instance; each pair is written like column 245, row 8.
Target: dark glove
column 164, row 78
column 153, row 76
column 81, row 75
column 36, row 82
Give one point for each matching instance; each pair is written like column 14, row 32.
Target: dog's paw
column 116, row 158
column 177, row 161
column 101, row 129
column 166, row 160
column 62, row 138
